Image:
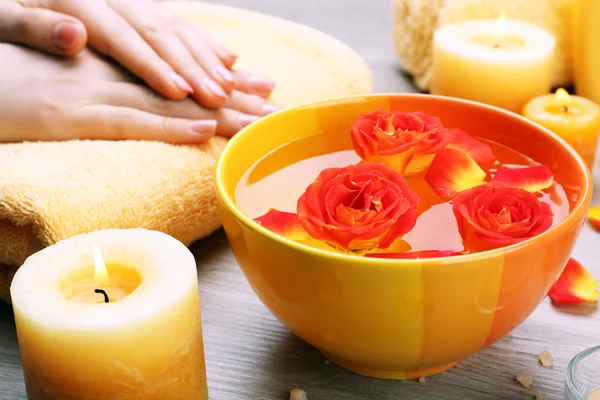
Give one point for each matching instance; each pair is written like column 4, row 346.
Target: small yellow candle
column 574, row 118
column 112, row 314
column 499, row 62
column 586, row 59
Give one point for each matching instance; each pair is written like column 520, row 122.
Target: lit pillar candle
column 144, row 343
column 586, row 62
column 498, row 62
column 574, row 118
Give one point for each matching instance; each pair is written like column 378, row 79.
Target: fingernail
column 246, row 119
column 180, row 82
column 65, row 34
column 214, row 87
column 269, row 108
column 260, row 85
column 229, row 53
column 204, row 127
column 224, row 73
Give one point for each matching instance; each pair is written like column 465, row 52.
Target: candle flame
column 500, row 28
column 562, row 97
column 100, row 272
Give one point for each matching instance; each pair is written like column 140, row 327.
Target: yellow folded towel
column 414, row 22
column 51, row 191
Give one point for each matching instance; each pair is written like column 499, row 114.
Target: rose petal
column 414, row 254
column 532, row 179
column 575, row 285
column 477, row 150
column 453, row 171
column 593, row 215
column 418, row 163
column 283, row 223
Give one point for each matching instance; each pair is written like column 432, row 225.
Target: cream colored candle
column 145, row 343
column 586, row 60
column 498, row 62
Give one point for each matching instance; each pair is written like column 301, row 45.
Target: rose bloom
column 406, row 141
column 501, row 214
column 358, row 207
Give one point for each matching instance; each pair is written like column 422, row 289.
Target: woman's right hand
column 88, row 97
column 169, row 53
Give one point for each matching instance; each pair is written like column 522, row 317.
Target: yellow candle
column 498, row 62
column 574, row 118
column 586, row 59
column 144, row 343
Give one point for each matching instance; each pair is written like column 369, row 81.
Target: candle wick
column 106, row 300
column 497, row 45
column 565, row 108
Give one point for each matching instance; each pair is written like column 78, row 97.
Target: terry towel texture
column 51, row 191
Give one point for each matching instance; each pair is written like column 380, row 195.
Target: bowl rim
column 232, row 207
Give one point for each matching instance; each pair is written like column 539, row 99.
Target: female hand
column 87, row 97
column 172, row 55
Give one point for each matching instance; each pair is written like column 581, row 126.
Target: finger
column 254, row 84
column 134, row 96
column 41, row 29
column 112, row 36
column 231, row 122
column 227, row 56
column 121, row 123
column 249, row 104
column 173, row 19
column 209, row 79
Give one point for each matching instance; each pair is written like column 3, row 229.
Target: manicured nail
column 204, row 127
column 246, row 119
column 229, row 53
column 260, row 85
column 269, row 108
column 214, row 87
column 65, row 34
column 180, row 82
column 224, row 73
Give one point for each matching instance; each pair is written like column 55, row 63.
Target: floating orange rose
column 575, row 285
column 415, row 254
column 283, row 223
column 533, row 179
column 406, row 141
column 358, row 207
column 502, row 214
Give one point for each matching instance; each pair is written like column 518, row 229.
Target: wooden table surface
column 251, row 355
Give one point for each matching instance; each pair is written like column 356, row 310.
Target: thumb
column 42, row 29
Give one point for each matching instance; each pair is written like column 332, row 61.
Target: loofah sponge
column 414, row 22
column 54, row 190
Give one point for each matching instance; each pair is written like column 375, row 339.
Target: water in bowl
column 279, row 178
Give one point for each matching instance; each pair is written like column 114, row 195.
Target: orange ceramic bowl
column 399, row 318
